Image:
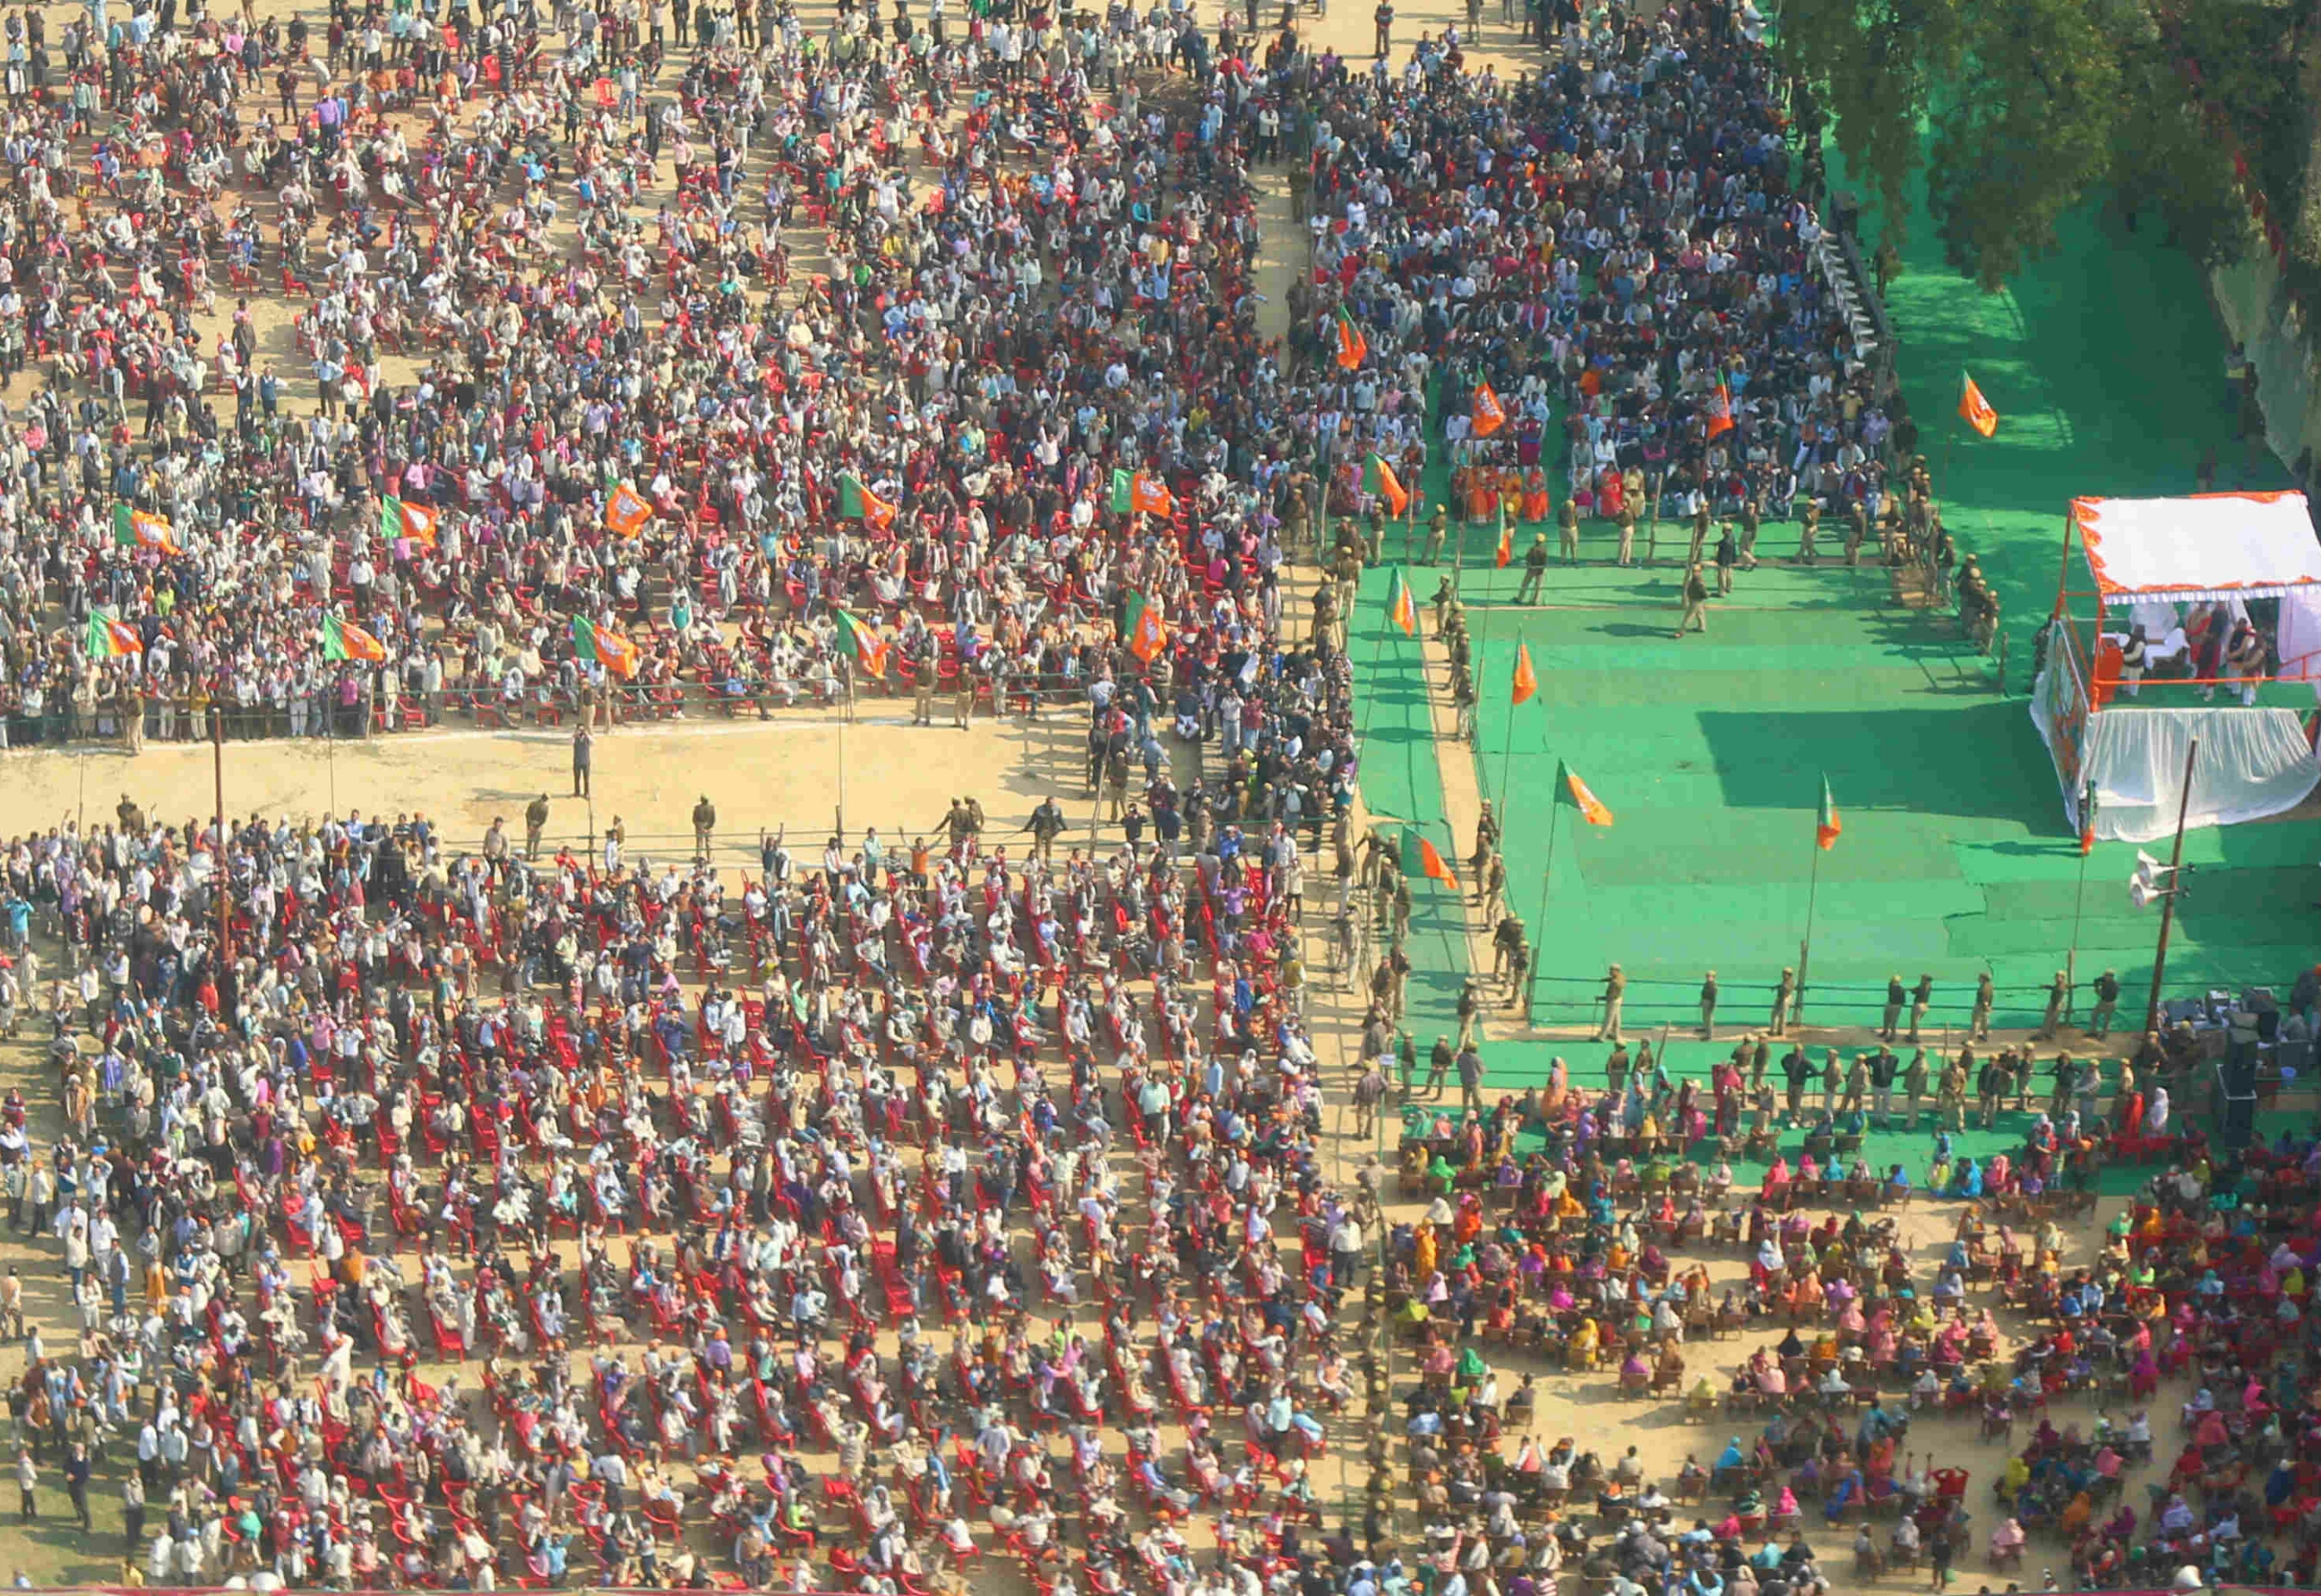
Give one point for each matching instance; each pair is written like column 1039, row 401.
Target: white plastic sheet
column 2253, row 763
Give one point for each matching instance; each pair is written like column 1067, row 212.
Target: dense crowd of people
column 335, row 1094
column 1622, row 241
column 866, row 1215
column 1039, row 299
column 1575, row 1254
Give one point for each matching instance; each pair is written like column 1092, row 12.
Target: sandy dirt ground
column 801, row 771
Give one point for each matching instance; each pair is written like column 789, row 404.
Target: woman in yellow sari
column 1426, row 1251
column 1580, row 1352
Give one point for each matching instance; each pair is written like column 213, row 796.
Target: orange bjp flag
column 1573, row 793
column 1150, row 496
column 1720, row 411
column 1353, row 348
column 627, row 511
column 1399, row 609
column 1382, row 481
column 1525, row 687
column 1974, row 409
column 1490, row 415
column 1430, row 865
column 1506, row 554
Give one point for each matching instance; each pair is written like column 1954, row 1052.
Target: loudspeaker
column 2236, row 1096
column 2238, row 1128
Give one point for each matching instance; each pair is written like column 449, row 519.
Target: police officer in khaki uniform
column 1783, row 995
column 1534, row 569
column 2059, row 993
column 1696, row 601
column 962, row 704
column 922, row 685
column 958, row 823
column 1567, row 520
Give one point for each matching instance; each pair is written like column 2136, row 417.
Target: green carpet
column 2106, row 366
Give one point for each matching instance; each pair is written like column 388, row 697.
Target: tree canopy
column 2019, row 111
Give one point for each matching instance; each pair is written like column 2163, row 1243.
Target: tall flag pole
column 1546, row 892
column 1400, row 612
column 2080, row 898
column 1481, row 667
column 1827, row 827
column 1570, row 793
column 1523, row 687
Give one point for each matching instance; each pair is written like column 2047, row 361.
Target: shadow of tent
column 1985, row 762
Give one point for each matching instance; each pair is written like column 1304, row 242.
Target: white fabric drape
column 2253, row 763
column 2300, row 641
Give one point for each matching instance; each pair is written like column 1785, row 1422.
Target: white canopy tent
column 2148, row 556
column 2214, row 546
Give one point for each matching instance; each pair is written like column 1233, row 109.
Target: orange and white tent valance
column 2206, row 546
